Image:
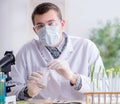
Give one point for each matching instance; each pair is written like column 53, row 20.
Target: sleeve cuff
column 23, row 94
column 78, row 84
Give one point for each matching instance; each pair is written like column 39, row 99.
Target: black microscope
column 5, row 66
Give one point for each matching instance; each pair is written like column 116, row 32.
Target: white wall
column 81, row 16
column 13, row 25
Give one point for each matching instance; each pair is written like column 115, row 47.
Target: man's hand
column 34, row 86
column 62, row 67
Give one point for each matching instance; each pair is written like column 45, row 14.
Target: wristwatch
column 26, row 92
column 78, row 84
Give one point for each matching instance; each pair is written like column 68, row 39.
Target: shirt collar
column 62, row 45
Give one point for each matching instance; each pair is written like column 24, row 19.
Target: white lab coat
column 79, row 53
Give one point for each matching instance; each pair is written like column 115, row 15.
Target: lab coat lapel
column 47, row 57
column 67, row 51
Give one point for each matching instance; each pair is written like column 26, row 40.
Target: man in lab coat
column 67, row 58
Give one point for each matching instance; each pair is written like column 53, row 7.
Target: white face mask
column 49, row 35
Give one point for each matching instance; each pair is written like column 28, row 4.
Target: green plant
column 92, row 72
column 107, row 39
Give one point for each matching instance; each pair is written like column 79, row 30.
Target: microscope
column 5, row 68
column 5, row 65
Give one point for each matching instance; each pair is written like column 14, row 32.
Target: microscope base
column 10, row 100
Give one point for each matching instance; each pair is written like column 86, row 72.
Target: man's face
column 47, row 18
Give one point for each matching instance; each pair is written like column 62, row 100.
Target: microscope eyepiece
column 7, row 59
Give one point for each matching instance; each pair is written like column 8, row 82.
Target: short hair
column 45, row 7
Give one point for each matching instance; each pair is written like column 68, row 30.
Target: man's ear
column 62, row 24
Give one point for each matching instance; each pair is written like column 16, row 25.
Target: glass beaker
column 2, row 88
